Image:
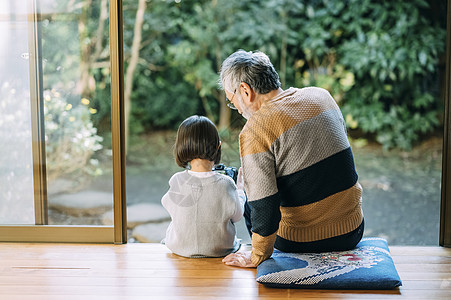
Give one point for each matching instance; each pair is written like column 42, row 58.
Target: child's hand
column 239, row 259
column 240, row 180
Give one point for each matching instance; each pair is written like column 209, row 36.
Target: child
column 203, row 204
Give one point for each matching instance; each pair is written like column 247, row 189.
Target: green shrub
column 70, row 138
column 379, row 59
column 390, row 52
column 160, row 101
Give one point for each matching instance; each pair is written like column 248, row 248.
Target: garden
column 382, row 61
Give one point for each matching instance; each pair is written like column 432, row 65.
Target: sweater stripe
column 262, row 247
column 327, row 177
column 288, row 116
column 335, row 215
column 302, row 154
column 336, row 174
column 282, row 160
column 263, row 210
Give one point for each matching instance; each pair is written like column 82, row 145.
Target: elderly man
column 298, row 167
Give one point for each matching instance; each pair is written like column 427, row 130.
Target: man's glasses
column 229, row 102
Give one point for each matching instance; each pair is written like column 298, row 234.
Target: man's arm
column 259, row 172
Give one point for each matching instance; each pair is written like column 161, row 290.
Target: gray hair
column 253, row 68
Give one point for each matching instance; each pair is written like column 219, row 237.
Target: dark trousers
column 338, row 243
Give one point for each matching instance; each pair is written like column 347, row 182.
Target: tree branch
column 132, row 65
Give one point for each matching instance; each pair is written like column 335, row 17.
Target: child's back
column 203, row 204
column 203, row 207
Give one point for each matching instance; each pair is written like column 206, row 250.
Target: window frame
column 445, row 208
column 118, row 232
column 41, row 232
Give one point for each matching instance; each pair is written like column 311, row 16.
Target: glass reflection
column 16, row 171
column 76, row 78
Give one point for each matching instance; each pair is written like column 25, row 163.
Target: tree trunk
column 207, row 108
column 224, row 111
column 132, row 66
column 99, row 36
column 283, row 50
column 83, row 86
column 283, row 62
column 86, row 85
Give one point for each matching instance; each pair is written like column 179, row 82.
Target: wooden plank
column 424, row 268
column 413, row 259
column 145, row 249
column 50, row 281
column 154, row 248
column 94, row 254
column 210, row 292
column 55, row 271
column 212, row 264
column 145, row 273
column 417, row 250
column 424, row 276
column 126, row 281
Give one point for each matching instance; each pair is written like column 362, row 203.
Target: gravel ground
column 401, row 198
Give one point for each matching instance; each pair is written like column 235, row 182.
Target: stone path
column 86, row 202
column 139, row 214
column 147, row 222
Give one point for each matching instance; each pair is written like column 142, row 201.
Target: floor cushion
column 368, row 266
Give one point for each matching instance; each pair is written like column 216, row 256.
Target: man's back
column 298, row 168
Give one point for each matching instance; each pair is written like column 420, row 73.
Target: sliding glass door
column 16, row 171
column 59, row 123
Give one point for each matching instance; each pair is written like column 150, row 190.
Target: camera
column 229, row 171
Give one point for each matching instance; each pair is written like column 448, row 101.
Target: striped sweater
column 299, row 172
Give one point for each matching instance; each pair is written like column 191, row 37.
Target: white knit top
column 203, row 208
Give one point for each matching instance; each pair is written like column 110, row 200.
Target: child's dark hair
column 197, row 137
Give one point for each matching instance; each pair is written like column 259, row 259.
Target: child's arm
column 165, row 200
column 239, row 210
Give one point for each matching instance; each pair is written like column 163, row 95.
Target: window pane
column 76, row 84
column 16, row 167
column 401, row 192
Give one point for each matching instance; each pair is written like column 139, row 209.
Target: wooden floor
column 150, row 271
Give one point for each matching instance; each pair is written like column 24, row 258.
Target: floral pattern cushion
column 368, row 266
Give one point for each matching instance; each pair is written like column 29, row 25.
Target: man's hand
column 239, row 259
